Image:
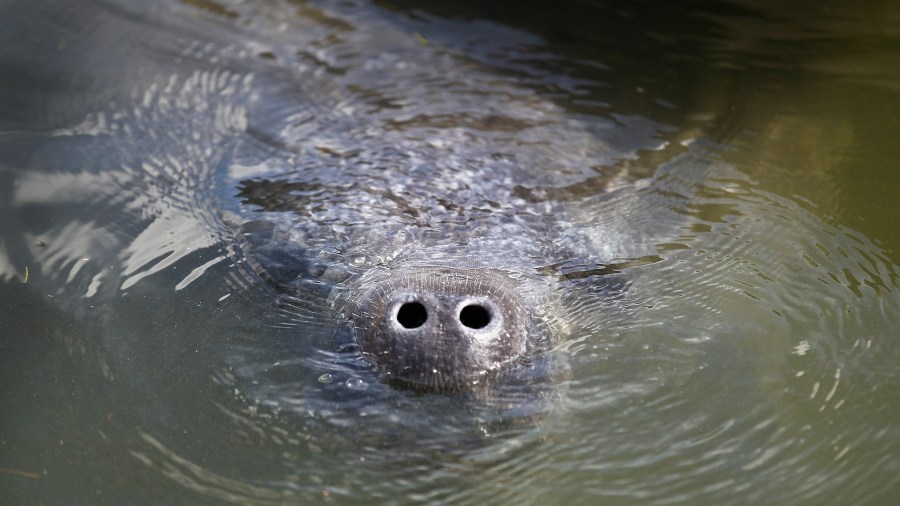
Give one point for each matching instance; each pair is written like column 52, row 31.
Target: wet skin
column 443, row 327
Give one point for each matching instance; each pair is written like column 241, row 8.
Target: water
column 705, row 194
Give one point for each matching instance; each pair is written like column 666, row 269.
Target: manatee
column 420, row 207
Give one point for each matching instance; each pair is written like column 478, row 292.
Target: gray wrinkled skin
column 443, row 327
column 473, row 193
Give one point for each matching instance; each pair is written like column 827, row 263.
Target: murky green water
column 708, row 190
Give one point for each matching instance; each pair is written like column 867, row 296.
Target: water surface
column 707, row 190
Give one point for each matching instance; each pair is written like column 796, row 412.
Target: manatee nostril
column 475, row 316
column 412, row 315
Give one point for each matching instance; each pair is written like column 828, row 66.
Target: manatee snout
column 444, row 328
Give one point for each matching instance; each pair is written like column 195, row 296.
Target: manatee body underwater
column 402, row 213
column 295, row 251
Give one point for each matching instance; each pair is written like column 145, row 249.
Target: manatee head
column 444, row 328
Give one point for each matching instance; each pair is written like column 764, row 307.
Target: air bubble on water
column 326, row 378
column 356, row 384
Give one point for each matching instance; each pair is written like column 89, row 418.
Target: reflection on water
column 700, row 197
